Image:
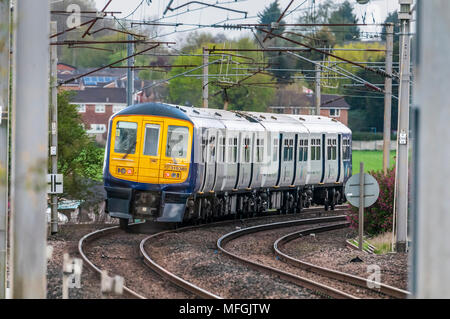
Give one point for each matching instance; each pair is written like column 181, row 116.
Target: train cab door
column 124, row 160
column 150, row 152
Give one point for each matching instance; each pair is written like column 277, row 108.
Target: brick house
column 96, row 106
column 290, row 100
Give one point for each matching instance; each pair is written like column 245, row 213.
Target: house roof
column 100, row 95
column 333, row 101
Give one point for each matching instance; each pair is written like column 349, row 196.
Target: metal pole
column 4, row 143
column 388, row 97
column 130, row 72
column 361, row 205
column 54, row 126
column 430, row 259
column 205, row 77
column 30, row 148
column 403, row 128
column 318, row 93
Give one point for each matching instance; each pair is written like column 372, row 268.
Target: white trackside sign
column 371, row 190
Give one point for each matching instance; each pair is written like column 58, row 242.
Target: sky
column 375, row 10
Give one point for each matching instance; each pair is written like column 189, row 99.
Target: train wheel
column 123, row 224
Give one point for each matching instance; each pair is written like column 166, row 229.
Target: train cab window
column 177, row 141
column 259, row 150
column 275, row 150
column 125, row 140
column 247, row 150
column 151, row 142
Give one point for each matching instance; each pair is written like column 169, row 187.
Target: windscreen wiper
column 129, row 150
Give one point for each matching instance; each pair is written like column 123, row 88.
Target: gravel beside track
column 66, row 241
column 329, row 250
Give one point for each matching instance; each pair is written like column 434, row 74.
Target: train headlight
column 125, row 171
column 173, row 175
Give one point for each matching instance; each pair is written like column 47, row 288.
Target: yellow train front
column 148, row 170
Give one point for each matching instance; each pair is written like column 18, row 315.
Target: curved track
column 334, row 274
column 338, row 222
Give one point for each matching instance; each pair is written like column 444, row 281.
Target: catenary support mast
column 388, row 97
column 430, row 251
column 4, row 112
column 403, row 139
column 30, row 148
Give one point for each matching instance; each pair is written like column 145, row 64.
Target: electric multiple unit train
column 170, row 163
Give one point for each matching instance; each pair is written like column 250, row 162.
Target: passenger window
column 275, row 150
column 222, row 149
column 247, row 150
column 177, row 141
column 235, row 150
column 125, row 140
column 212, row 149
column 318, row 152
column 259, row 150
column 305, row 153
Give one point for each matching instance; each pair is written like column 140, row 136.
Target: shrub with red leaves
column 378, row 217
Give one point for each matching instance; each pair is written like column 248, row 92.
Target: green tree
column 367, row 106
column 344, row 14
column 80, row 160
column 279, row 62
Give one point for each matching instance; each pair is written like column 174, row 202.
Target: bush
column 378, row 217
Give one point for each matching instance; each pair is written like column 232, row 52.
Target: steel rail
column 334, row 274
column 178, row 281
column 297, row 280
column 93, row 236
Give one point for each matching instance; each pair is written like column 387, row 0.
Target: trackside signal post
column 430, row 251
column 29, row 148
column 4, row 118
column 361, row 190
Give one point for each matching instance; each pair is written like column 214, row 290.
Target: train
column 174, row 164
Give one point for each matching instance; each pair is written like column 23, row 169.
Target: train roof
column 235, row 119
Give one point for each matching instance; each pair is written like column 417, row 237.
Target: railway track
column 338, row 222
column 330, row 273
column 315, row 285
column 152, row 264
